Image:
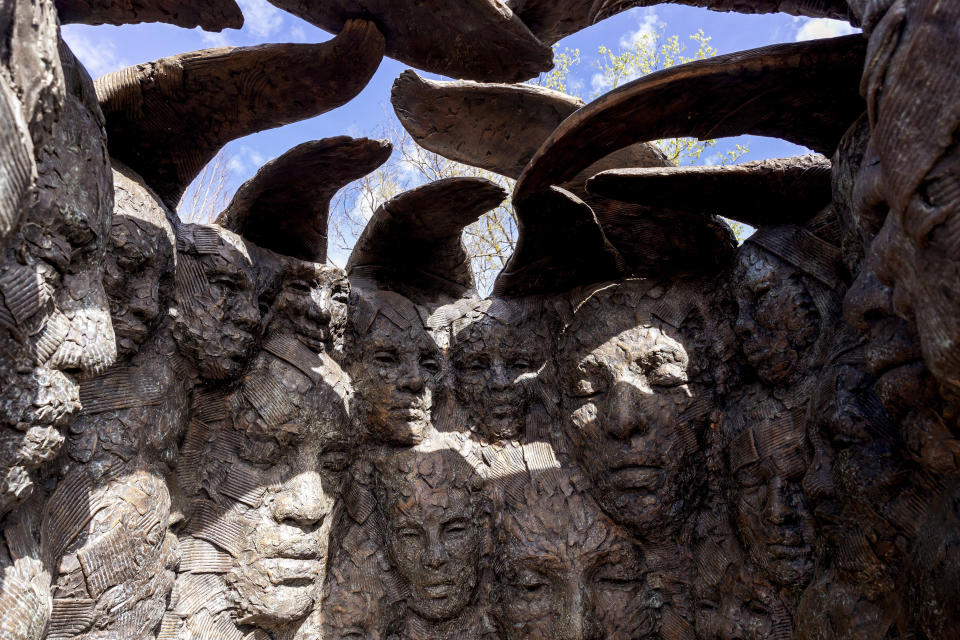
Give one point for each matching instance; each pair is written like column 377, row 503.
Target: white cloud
column 245, row 162
column 814, row 28
column 98, row 57
column 298, row 34
column 647, row 28
column 212, row 39
column 261, row 18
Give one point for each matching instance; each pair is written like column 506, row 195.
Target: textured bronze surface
column 646, row 432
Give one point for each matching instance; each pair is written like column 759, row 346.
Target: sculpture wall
column 645, row 432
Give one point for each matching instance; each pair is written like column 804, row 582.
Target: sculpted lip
column 637, row 477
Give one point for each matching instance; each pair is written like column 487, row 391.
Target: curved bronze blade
column 560, row 246
column 285, row 206
column 167, row 119
column 472, row 39
column 210, row 15
column 835, row 9
column 497, row 127
column 803, row 92
column 413, row 241
column 766, row 192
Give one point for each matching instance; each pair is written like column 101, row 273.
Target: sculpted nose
column 777, row 510
column 410, row 379
column 625, row 412
column 580, row 622
column 300, row 501
column 500, row 380
column 867, row 300
column 744, row 327
column 434, row 555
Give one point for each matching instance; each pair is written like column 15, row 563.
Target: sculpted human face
column 777, row 319
column 495, row 367
column 217, row 313
column 567, row 573
column 770, row 511
column 139, row 259
column 625, row 399
column 311, row 304
column 435, row 544
column 395, row 380
column 740, row 607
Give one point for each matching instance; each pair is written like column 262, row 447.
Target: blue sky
column 104, row 49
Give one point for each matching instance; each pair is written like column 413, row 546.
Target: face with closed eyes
column 279, row 476
column 565, row 572
column 776, row 320
column 624, row 401
column 770, row 510
column 495, row 367
column 395, row 378
column 742, row 606
column 217, row 313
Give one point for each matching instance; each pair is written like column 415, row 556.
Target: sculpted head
column 625, row 378
column 911, row 189
column 741, row 606
column 216, row 315
column 395, row 366
column 496, row 362
column 436, row 527
column 263, row 485
column 311, row 305
column 777, row 321
column 768, row 462
column 564, row 571
column 139, row 262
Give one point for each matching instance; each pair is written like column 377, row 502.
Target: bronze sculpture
column 646, row 432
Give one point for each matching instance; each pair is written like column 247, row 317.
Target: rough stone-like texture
column 285, row 207
column 806, row 92
column 168, row 118
column 754, row 442
column 211, row 15
column 781, row 191
column 471, row 39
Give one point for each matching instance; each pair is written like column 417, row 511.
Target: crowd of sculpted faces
column 204, row 438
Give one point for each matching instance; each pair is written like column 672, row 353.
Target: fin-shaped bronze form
column 560, row 246
column 493, row 126
column 803, row 92
column 413, row 241
column 781, row 191
column 167, row 119
column 284, row 208
column 210, row 15
column 472, row 39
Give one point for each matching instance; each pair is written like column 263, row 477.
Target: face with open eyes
column 565, row 572
column 624, row 401
column 742, row 606
column 776, row 319
column 311, row 304
column 771, row 513
column 495, row 368
column 434, row 530
column 217, row 314
column 395, row 378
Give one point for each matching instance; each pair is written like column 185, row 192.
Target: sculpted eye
column 430, row 363
column 588, row 388
column 667, row 375
column 299, row 286
column 335, row 461
column 385, row 357
column 757, row 608
column 407, row 533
